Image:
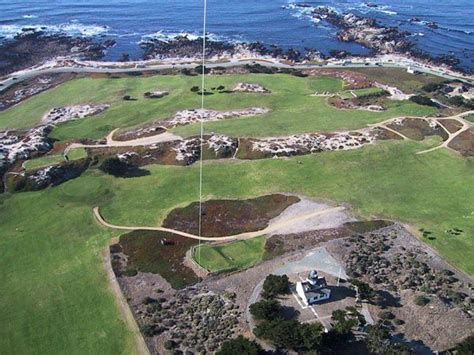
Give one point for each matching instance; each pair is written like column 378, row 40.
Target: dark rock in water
column 371, row 4
column 33, row 46
column 184, row 47
column 432, row 25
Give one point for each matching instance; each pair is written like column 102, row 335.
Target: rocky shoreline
column 32, row 47
column 183, row 47
column 380, row 39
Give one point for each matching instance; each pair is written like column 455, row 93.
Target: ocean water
column 276, row 22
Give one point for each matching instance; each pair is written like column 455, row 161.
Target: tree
column 345, row 320
column 195, row 89
column 422, row 100
column 275, row 285
column 421, row 300
column 266, row 310
column 291, row 334
column 365, row 291
column 114, row 166
column 283, row 334
column 240, row 346
column 466, row 347
column 378, row 338
column 311, row 335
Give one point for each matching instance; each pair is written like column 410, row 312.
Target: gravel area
column 332, row 219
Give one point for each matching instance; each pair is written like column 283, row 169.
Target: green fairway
column 293, row 109
column 361, row 93
column 388, row 180
column 54, row 296
column 47, row 160
column 231, row 256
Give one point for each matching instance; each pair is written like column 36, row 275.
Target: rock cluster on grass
column 48, row 176
column 69, row 113
column 253, row 88
column 155, row 94
column 189, row 150
column 15, row 146
column 311, row 143
column 377, row 258
column 185, row 117
column 22, row 146
column 192, row 319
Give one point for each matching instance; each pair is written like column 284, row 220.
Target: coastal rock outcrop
column 365, row 31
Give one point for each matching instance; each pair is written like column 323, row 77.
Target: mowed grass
column 293, row 109
column 361, row 92
column 469, row 118
column 47, row 160
column 54, row 294
column 236, row 255
column 387, row 180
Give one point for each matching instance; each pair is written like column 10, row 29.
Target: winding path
column 242, row 236
column 451, row 136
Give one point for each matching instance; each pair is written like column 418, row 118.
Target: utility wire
column 203, row 74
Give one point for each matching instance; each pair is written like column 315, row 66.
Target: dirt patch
column 451, row 125
column 352, row 80
column 418, row 129
column 287, row 243
column 28, row 88
column 373, row 103
column 464, row 143
column 179, row 152
column 154, row 252
column 432, row 323
column 384, row 134
column 229, row 217
column 148, row 130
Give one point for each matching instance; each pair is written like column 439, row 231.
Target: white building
column 313, row 289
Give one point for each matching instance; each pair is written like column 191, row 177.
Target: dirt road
column 241, row 236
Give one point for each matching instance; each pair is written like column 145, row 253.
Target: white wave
column 167, row 36
column 71, row 29
column 365, row 8
column 29, row 16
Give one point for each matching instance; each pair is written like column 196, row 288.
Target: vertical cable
column 202, row 126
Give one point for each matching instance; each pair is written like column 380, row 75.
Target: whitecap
column 71, row 29
column 167, row 36
column 29, row 16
